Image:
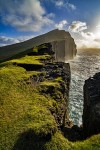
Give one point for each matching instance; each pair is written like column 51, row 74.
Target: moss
column 49, row 83
column 58, row 79
column 15, row 72
column 58, row 142
column 34, row 60
column 35, row 49
column 22, row 107
column 92, row 143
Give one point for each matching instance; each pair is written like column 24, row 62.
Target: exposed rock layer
column 50, row 72
column 60, row 94
column 91, row 111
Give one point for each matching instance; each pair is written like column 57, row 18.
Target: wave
column 82, row 67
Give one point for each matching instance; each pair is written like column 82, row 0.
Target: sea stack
column 91, row 111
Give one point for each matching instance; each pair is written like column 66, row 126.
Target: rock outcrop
column 55, row 71
column 91, row 111
column 62, row 43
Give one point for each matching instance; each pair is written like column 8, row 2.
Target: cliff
column 34, row 91
column 62, row 42
column 91, row 111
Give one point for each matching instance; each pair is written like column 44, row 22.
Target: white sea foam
column 82, row 67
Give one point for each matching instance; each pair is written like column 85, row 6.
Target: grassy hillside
column 26, row 122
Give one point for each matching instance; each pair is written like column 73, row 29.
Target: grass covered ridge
column 26, row 121
column 22, row 107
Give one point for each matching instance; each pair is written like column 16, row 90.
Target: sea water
column 82, row 67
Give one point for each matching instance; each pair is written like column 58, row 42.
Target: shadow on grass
column 74, row 133
column 30, row 141
column 30, row 67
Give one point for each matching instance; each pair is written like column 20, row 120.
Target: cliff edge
column 34, row 91
column 62, row 42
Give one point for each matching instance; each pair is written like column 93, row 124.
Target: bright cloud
column 88, row 35
column 78, row 26
column 87, row 39
column 90, row 40
column 59, row 3
column 66, row 4
column 98, row 26
column 87, row 44
column 61, row 24
column 25, row 15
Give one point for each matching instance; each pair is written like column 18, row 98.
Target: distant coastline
column 89, row 51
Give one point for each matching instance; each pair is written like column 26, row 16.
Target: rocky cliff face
column 61, row 72
column 91, row 111
column 54, row 81
column 62, row 42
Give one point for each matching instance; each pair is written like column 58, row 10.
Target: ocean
column 82, row 67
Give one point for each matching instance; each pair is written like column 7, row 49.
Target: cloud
column 71, row 6
column 66, row 4
column 89, row 40
column 84, row 38
column 98, row 26
column 25, row 15
column 5, row 40
column 78, row 26
column 51, row 15
column 87, row 44
column 61, row 24
column 59, row 3
column 88, row 35
column 97, row 40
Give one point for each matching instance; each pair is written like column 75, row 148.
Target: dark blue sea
column 82, row 67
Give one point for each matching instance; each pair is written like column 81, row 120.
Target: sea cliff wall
column 62, row 42
column 91, row 108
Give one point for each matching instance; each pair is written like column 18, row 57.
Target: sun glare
column 97, row 31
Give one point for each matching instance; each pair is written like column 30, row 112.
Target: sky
column 21, row 20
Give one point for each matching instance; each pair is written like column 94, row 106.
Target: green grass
column 27, row 60
column 13, row 72
column 58, row 142
column 35, row 49
column 22, row 107
column 34, row 60
column 48, row 83
column 26, row 122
